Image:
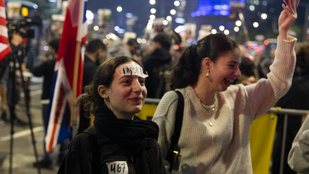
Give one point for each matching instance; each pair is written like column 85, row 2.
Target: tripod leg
column 11, row 140
column 12, row 111
column 27, row 100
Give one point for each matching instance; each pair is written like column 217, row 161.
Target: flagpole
column 67, row 82
column 75, row 77
column 77, row 59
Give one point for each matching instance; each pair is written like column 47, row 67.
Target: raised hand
column 285, row 21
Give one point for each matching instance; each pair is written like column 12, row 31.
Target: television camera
column 23, row 27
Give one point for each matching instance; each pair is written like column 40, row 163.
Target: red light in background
column 258, row 49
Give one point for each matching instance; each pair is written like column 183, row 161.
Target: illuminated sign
column 180, row 20
column 214, row 7
column 24, row 11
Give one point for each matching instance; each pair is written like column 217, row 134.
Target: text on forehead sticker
column 130, row 69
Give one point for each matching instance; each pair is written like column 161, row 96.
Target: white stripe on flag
column 4, row 31
column 52, row 115
column 3, row 46
column 2, row 11
column 61, row 80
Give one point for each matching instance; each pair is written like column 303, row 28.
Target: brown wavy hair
column 103, row 76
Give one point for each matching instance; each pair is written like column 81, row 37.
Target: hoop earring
column 207, row 73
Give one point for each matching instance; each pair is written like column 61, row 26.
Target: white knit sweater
column 217, row 142
column 298, row 158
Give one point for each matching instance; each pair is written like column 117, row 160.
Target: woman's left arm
column 266, row 92
column 285, row 21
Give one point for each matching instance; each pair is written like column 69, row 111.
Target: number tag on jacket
column 117, row 167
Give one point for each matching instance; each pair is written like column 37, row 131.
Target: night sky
column 139, row 8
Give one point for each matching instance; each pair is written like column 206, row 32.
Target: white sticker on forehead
column 132, row 69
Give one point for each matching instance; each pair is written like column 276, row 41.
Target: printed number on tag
column 117, row 167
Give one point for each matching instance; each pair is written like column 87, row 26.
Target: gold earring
column 207, row 73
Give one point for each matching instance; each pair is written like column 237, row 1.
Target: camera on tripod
column 16, row 60
column 23, row 27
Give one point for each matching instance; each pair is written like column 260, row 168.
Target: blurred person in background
column 298, row 158
column 133, row 46
column 46, row 70
column 176, row 49
column 296, row 98
column 247, row 75
column 95, row 55
column 17, row 37
column 157, row 64
column 116, row 47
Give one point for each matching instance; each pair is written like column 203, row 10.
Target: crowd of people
column 223, row 89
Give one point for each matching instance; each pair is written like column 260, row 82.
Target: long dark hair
column 187, row 70
column 103, row 76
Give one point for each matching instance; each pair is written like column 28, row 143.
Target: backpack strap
column 173, row 152
column 178, row 121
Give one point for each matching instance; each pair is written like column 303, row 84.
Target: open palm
column 286, row 19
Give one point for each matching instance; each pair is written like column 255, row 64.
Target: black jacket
column 93, row 151
column 158, row 61
column 46, row 69
column 90, row 69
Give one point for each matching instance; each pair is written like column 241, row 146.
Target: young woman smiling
column 217, row 116
column 119, row 142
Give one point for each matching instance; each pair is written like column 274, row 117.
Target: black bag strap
column 178, row 121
